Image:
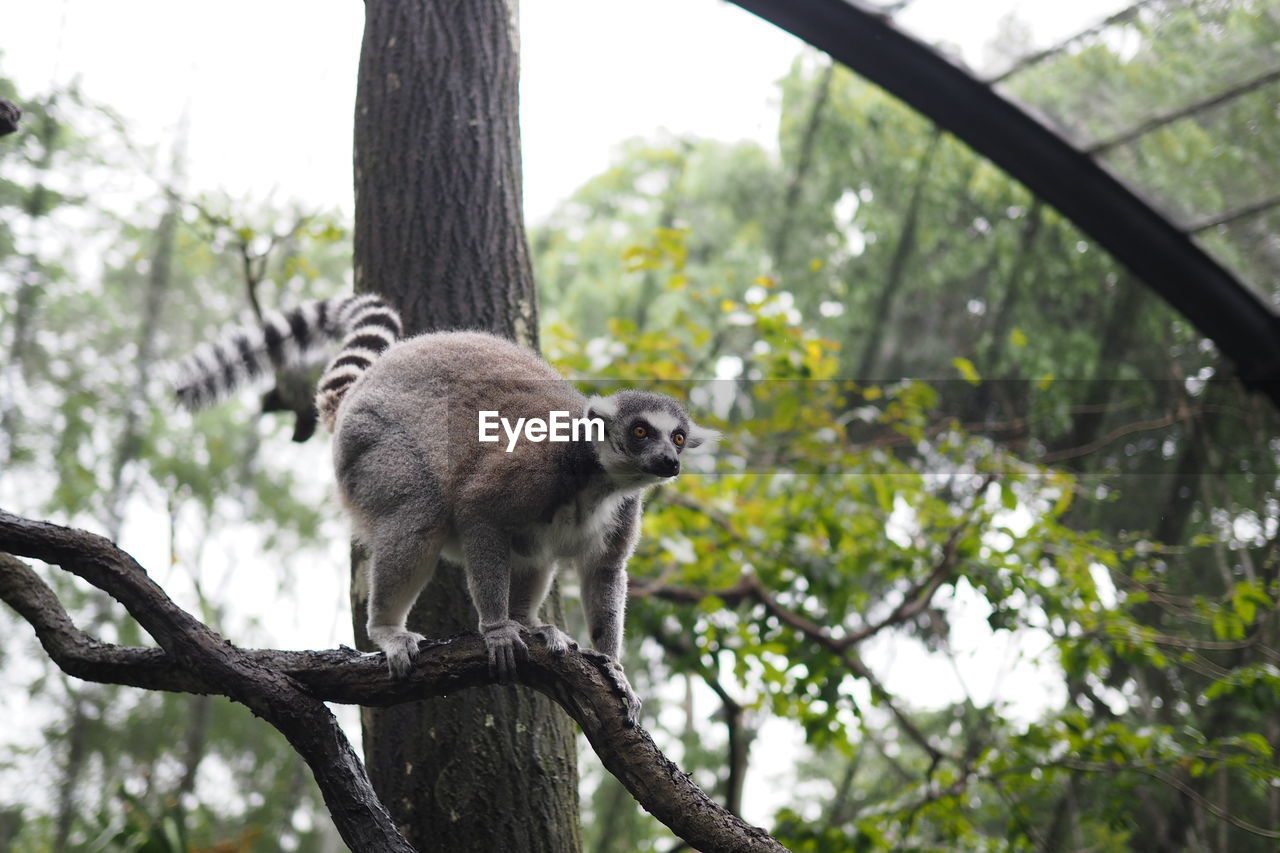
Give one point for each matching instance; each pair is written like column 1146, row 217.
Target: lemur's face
column 645, row 434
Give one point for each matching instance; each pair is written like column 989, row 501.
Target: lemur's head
column 644, row 436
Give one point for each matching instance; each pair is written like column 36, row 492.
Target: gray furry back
column 365, row 324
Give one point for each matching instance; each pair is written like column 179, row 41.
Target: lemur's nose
column 668, row 466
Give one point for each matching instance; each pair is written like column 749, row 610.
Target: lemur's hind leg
column 402, row 563
column 398, row 504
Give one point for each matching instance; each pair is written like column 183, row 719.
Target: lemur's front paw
column 558, row 642
column 400, row 646
column 505, row 648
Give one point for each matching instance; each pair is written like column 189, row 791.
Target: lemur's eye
column 639, row 431
column 678, row 438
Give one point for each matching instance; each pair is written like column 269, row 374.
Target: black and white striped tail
column 373, row 326
column 245, row 354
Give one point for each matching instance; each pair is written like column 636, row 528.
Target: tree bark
column 439, row 226
column 204, row 663
column 10, row 115
column 287, row 689
column 439, row 232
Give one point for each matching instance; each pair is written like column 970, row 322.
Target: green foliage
column 839, row 532
column 1068, row 464
column 139, row 832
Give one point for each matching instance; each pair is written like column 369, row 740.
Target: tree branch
column 1148, row 768
column 10, row 114
column 288, row 689
column 306, row 723
column 916, row 599
column 750, row 588
column 1159, row 120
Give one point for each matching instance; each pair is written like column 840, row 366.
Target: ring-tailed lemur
column 421, row 483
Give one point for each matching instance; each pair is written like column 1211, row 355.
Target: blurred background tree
column 94, row 305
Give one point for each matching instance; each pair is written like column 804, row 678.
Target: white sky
column 270, row 86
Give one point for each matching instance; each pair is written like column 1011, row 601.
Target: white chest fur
column 579, row 530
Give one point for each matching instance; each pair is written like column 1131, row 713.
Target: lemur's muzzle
column 666, row 466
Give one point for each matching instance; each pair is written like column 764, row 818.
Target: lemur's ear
column 604, row 408
column 700, row 438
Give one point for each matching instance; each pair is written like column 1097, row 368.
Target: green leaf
column 1254, row 743
column 1246, row 598
column 711, row 603
column 967, row 370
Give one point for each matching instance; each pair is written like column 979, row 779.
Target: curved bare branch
column 289, row 688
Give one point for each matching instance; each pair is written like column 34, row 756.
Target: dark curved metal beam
column 1138, row 236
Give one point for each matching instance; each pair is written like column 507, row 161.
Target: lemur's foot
column 505, row 648
column 400, row 646
column 630, row 701
column 612, row 670
column 558, row 642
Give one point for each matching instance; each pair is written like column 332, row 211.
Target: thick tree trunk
column 438, row 194
column 439, row 232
